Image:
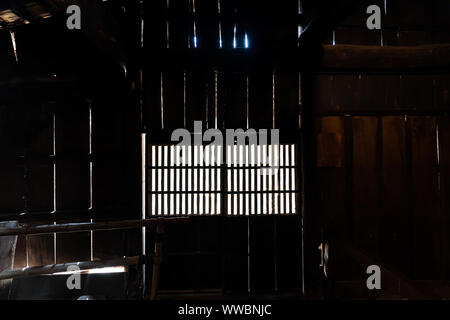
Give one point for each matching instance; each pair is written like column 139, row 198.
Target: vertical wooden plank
column 425, row 215
column 394, row 213
column 365, row 184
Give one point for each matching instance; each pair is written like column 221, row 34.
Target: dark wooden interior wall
column 381, row 149
column 182, row 86
column 59, row 77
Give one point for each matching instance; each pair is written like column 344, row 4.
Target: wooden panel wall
column 397, row 212
column 225, row 89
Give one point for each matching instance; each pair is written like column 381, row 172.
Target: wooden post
column 157, row 260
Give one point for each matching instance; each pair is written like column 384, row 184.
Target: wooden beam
column 58, row 268
column 90, row 226
column 356, row 57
